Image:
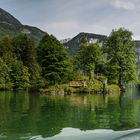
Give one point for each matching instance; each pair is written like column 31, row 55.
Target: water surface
column 75, row 117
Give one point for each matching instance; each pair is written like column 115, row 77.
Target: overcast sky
column 66, row 18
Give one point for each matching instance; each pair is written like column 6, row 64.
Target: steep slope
column 73, row 45
column 63, row 41
column 9, row 25
column 36, row 33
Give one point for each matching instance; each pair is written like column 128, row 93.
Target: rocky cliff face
column 73, row 45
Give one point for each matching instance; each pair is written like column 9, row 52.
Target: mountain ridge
column 9, row 25
column 73, row 45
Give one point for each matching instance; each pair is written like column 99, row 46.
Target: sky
column 67, row 18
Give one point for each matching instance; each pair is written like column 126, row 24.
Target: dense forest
column 25, row 64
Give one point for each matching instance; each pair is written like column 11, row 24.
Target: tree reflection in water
column 26, row 115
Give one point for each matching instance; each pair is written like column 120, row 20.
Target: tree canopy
column 23, row 64
column 53, row 59
column 88, row 57
column 121, row 57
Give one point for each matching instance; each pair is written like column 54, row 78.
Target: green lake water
column 26, row 116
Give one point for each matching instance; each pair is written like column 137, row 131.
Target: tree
column 6, row 49
column 25, row 51
column 5, row 81
column 88, row 58
column 121, row 57
column 6, row 46
column 19, row 59
column 53, row 59
column 19, row 75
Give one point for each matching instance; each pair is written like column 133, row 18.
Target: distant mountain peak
column 72, row 46
column 86, row 33
column 65, row 40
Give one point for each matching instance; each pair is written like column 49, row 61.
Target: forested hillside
column 9, row 25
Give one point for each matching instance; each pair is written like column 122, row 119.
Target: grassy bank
column 82, row 86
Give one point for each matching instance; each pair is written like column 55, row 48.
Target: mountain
column 137, row 42
column 137, row 51
column 63, row 41
column 72, row 46
column 9, row 25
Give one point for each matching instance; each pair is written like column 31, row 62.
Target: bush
column 113, row 87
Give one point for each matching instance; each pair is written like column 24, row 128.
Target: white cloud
column 124, row 4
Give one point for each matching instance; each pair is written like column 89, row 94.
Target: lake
column 72, row 117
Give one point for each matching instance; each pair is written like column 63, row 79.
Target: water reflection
column 25, row 115
column 76, row 134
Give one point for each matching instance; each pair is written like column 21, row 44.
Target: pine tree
column 54, row 60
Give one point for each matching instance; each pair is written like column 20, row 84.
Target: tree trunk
column 120, row 83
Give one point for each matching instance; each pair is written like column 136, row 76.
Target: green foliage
column 121, row 58
column 19, row 75
column 22, row 65
column 88, row 57
column 5, row 81
column 5, row 45
column 13, row 75
column 73, row 45
column 21, row 48
column 101, row 78
column 92, row 88
column 112, row 72
column 90, row 69
column 24, row 48
column 113, row 87
column 57, row 88
column 56, row 67
column 81, row 78
column 25, row 51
